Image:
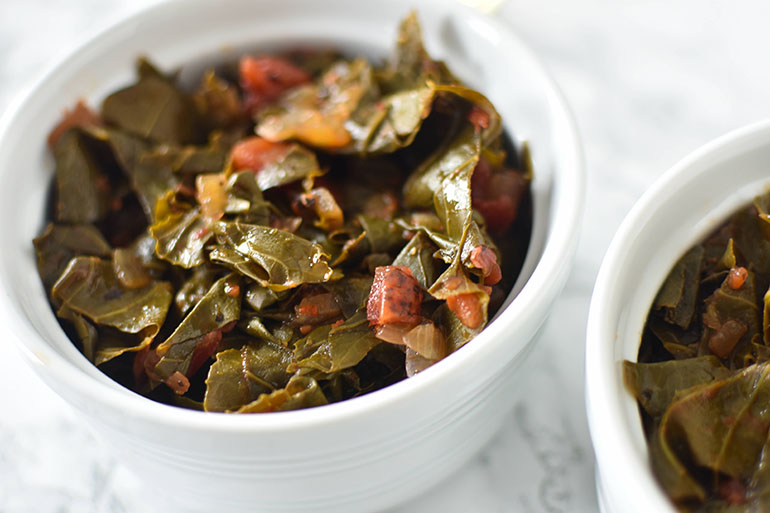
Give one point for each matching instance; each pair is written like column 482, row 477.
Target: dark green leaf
column 89, row 287
column 81, row 186
column 60, row 243
column 180, row 232
column 679, row 293
column 155, row 109
column 300, row 392
column 344, row 347
column 655, row 384
column 239, row 376
column 219, row 307
column 274, row 258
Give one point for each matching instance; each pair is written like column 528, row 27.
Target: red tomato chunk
column 255, row 153
column 497, row 195
column 395, row 296
column 264, row 79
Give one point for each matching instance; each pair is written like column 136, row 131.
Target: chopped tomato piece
column 737, row 277
column 80, row 116
column 467, row 308
column 727, row 336
column 255, row 153
column 486, row 260
column 265, row 79
column 207, row 345
column 395, row 296
column 317, row 309
column 497, row 195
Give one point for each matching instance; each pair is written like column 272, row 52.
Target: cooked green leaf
column 274, row 258
column 218, row 308
column 81, row 187
column 240, row 376
column 58, row 244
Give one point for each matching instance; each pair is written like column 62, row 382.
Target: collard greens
column 310, row 228
column 702, row 381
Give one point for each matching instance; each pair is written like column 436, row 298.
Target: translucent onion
column 129, row 270
column 210, row 193
column 416, row 363
column 393, row 333
column 427, row 340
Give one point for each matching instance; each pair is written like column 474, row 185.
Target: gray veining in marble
column 649, row 81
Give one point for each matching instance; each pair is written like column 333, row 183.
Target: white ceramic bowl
column 360, row 455
column 686, row 204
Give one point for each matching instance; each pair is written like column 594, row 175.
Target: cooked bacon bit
column 80, row 116
column 497, row 195
column 264, row 79
column 732, row 492
column 178, row 382
column 337, row 324
column 467, row 308
column 737, row 277
column 395, row 296
column 232, row 290
column 316, row 309
column 479, row 118
column 723, row 341
column 305, row 329
column 486, row 260
column 255, row 153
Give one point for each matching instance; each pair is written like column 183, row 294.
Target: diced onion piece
column 211, row 194
column 393, row 333
column 322, row 202
column 416, row 363
column 129, row 270
column 427, row 340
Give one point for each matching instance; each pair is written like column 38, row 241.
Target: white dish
column 686, row 204
column 363, row 454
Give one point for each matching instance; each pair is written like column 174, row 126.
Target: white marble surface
column 649, row 81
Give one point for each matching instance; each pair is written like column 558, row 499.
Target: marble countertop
column 648, row 80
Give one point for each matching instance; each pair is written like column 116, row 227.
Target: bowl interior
column 684, row 206
column 478, row 49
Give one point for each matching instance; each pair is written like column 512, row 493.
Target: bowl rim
column 617, row 453
column 557, row 251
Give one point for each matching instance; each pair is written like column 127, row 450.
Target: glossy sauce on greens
column 703, row 381
column 298, row 229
